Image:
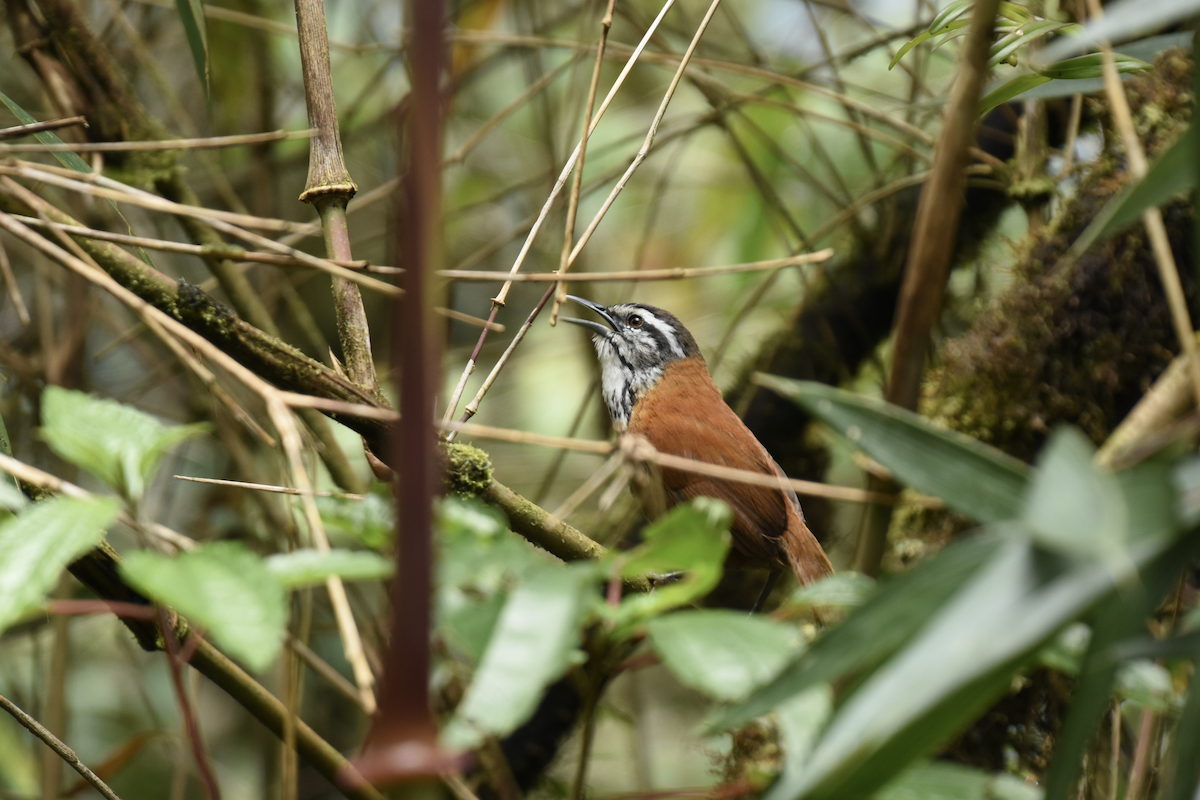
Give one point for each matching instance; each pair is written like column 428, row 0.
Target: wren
column 657, row 385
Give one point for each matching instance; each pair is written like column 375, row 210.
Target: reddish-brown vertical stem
column 402, row 745
column 928, row 264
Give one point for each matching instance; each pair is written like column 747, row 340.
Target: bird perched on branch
column 656, row 384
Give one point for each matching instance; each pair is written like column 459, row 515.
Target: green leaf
column 724, row 654
column 1149, row 685
column 892, row 615
column 1009, row 90
column 222, row 587
column 1091, row 66
column 1173, row 172
column 843, row 590
column 800, row 721
column 974, row 479
column 467, row 627
column 531, row 646
column 1120, row 618
column 1065, row 653
column 949, row 14
column 1072, row 507
column 961, row 660
column 68, row 160
column 191, row 15
column 1026, row 34
column 692, row 539
column 1123, row 20
column 371, row 520
column 1182, row 773
column 944, row 780
column 117, row 443
column 37, row 543
column 310, row 567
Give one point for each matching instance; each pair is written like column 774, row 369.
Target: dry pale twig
column 162, row 144
column 56, row 485
column 231, row 251
column 57, row 745
column 640, row 275
column 158, row 321
column 265, row 487
column 498, row 300
column 564, row 259
column 642, row 450
column 18, row 131
column 644, row 150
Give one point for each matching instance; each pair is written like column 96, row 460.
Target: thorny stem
column 58, row 746
column 402, row 745
column 564, row 260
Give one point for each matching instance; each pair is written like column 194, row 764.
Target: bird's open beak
column 587, row 323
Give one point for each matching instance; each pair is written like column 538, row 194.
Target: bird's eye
column 635, row 321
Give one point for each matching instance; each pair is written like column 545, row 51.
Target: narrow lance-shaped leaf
column 222, row 587
column 191, row 15
column 962, row 659
column 974, row 479
column 1123, row 20
column 68, row 160
column 889, row 618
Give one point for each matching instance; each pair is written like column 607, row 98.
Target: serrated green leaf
column 311, row 568
column 974, row 479
column 724, row 654
column 691, row 538
column 39, row 542
column 222, row 587
column 68, row 160
column 191, row 16
column 530, row 647
column 117, row 443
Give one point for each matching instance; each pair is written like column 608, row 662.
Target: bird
column 656, row 384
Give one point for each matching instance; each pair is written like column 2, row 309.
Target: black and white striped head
column 637, row 344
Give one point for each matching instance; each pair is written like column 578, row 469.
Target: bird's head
column 635, row 343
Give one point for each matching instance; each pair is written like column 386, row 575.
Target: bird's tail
column 805, row 555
